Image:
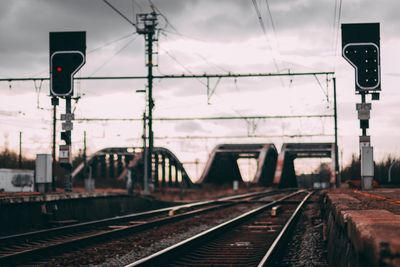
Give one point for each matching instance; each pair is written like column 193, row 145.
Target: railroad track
column 28, row 247
column 251, row 239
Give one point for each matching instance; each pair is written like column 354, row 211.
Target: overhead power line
column 120, row 13
column 110, row 43
column 260, row 19
column 241, row 136
column 115, row 54
column 212, row 118
column 181, row 76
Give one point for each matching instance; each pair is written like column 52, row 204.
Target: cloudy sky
column 199, row 37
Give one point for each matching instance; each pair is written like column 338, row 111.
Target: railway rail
column 38, row 245
column 251, row 239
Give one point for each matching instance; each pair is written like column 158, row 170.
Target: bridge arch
column 113, row 162
column 285, row 175
column 222, row 167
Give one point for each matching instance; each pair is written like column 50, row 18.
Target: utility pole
column 146, row 25
column 20, row 151
column 145, row 171
column 84, row 157
column 54, row 102
column 337, row 172
column 68, row 167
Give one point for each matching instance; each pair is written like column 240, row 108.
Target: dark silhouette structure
column 112, row 163
column 222, row 167
column 285, row 175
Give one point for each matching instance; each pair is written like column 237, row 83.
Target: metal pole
column 20, row 151
column 366, row 150
column 151, row 104
column 54, row 102
column 364, row 130
column 84, row 154
column 337, row 173
column 145, row 152
column 68, row 167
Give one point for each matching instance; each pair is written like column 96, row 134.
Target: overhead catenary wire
column 193, row 137
column 260, row 19
column 262, row 24
column 120, row 13
column 111, row 42
column 334, row 25
column 180, row 64
column 209, row 118
column 207, row 61
column 322, row 88
column 271, row 17
column 180, row 76
column 275, row 34
column 336, row 29
column 168, row 23
column 112, row 56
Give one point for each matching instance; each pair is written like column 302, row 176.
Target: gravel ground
column 126, row 250
column 306, row 246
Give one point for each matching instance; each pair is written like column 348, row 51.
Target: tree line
column 10, row 159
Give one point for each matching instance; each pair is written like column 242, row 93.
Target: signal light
column 361, row 48
column 64, row 65
column 67, row 56
column 365, row 59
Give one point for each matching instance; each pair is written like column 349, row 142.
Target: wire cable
column 260, row 19
column 115, row 54
column 110, row 43
column 180, row 64
column 120, row 13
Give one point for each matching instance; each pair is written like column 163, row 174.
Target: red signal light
column 59, row 69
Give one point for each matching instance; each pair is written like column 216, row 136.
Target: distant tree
column 10, row 159
column 381, row 170
column 324, row 172
column 352, row 171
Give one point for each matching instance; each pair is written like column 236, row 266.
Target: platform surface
column 372, row 222
column 23, row 197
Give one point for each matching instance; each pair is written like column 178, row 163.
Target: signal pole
column 54, row 102
column 68, row 167
column 20, row 151
column 67, row 56
column 361, row 48
column 146, row 25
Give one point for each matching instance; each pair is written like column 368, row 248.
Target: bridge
column 112, row 163
column 285, row 175
column 222, row 166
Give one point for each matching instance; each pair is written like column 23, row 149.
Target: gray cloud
column 190, row 127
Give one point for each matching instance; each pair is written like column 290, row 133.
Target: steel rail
column 175, row 250
column 118, row 219
column 101, row 235
column 278, row 242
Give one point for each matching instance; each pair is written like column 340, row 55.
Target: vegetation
column 10, row 160
column 381, row 169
